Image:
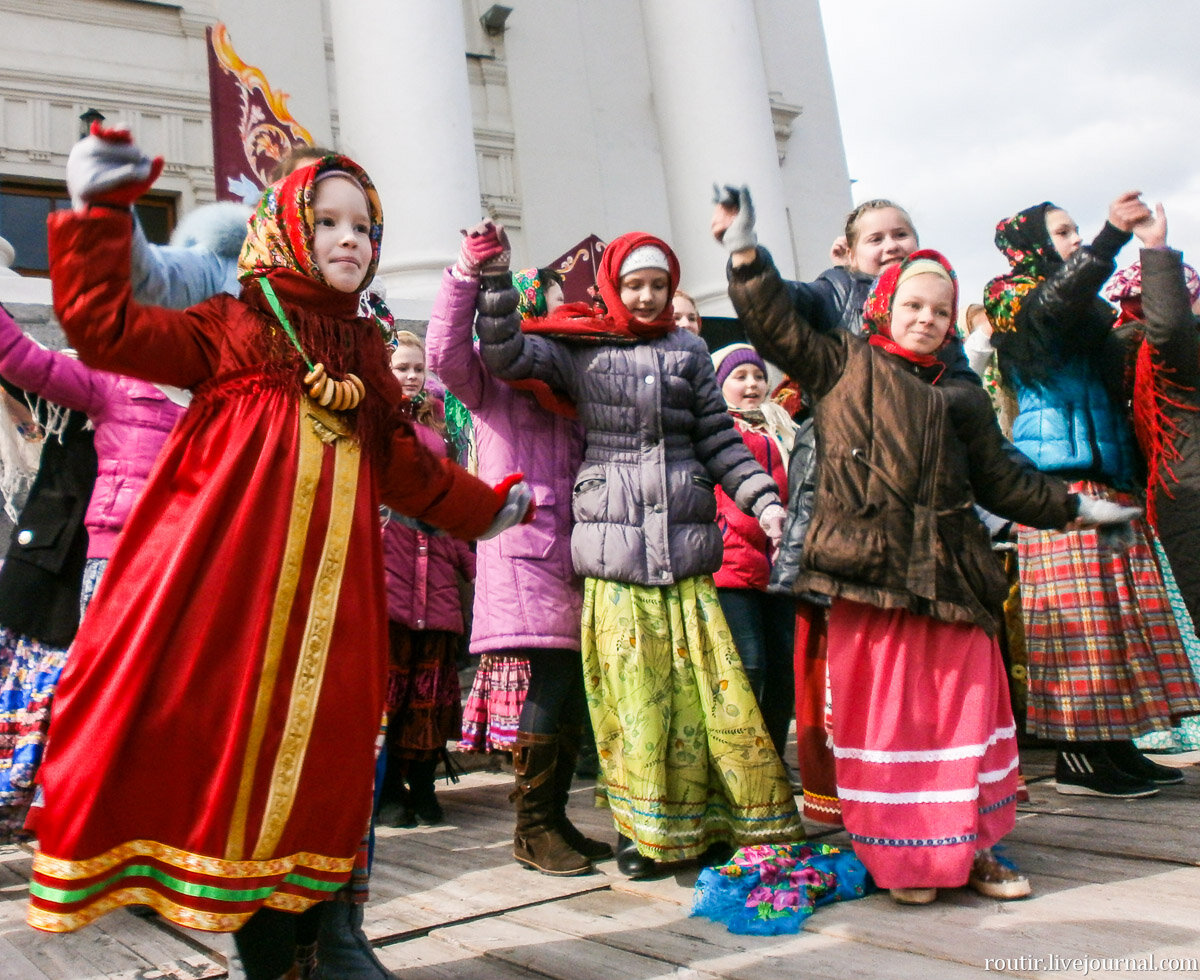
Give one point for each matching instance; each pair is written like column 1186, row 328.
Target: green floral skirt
column 685, row 759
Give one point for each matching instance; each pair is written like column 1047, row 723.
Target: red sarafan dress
column 212, row 743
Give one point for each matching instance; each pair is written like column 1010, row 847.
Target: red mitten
column 479, row 245
column 501, row 489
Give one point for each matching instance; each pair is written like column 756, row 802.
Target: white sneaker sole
column 1072, row 789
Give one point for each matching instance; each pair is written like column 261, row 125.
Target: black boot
column 421, row 799
column 631, row 862
column 1126, row 757
column 569, row 741
column 1084, row 769
column 343, row 950
column 538, row 842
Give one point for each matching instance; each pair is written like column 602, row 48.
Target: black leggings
column 555, row 699
column 267, row 942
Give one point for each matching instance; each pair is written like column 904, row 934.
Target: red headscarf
column 610, row 319
column 877, row 313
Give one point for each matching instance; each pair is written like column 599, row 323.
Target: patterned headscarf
column 281, row 229
column 1127, row 283
column 877, row 311
column 531, row 300
column 1025, row 241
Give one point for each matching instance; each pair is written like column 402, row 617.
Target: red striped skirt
column 924, row 741
column 493, row 710
column 1106, row 660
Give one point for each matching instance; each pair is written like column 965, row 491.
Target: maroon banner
column 252, row 128
column 578, row 267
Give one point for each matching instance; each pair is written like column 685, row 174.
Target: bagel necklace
column 337, row 396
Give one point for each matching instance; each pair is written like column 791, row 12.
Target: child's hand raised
column 107, row 167
column 484, row 251
column 1128, row 210
column 733, row 218
column 1152, row 232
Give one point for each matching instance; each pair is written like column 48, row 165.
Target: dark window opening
column 25, row 206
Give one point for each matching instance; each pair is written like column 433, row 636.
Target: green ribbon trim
column 62, row 896
column 273, row 300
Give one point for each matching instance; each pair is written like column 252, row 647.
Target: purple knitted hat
column 727, row 358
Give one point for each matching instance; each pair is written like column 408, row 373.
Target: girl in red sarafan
column 234, row 656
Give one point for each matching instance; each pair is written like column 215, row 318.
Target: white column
column 714, row 121
column 404, row 113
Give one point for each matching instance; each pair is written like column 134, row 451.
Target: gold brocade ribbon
column 318, row 428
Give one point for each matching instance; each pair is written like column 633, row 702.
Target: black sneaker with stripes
column 1090, row 772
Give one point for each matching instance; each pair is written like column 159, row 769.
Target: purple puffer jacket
column 132, row 420
column 422, row 569
column 526, row 593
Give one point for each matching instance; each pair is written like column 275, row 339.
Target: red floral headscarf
column 281, row 229
column 877, row 312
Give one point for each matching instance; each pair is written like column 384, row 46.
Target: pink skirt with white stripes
column 924, row 741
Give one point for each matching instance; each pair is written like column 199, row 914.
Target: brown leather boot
column 538, row 843
column 569, row 740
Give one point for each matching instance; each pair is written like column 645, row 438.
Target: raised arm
column 1169, row 324
column 764, row 305
column 89, row 272
column 1057, row 309
column 57, row 377
column 449, row 349
column 178, row 277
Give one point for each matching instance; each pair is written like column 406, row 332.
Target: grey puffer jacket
column 659, row 439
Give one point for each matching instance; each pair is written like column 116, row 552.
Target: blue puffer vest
column 1074, row 426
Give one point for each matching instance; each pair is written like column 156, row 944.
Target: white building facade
column 560, row 118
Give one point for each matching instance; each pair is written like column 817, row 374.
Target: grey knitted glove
column 97, row 165
column 514, row 511
column 740, row 233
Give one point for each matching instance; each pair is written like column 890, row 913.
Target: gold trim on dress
column 314, row 647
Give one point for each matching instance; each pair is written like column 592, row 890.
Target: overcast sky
column 966, row 111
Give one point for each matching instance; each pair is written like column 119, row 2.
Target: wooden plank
column 429, row 958
column 117, row 944
column 1135, row 838
column 604, row 934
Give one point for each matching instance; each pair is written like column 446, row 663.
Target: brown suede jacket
column 900, row 464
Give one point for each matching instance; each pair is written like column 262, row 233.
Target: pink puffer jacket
column 746, row 563
column 132, row 420
column 527, row 594
column 422, row 569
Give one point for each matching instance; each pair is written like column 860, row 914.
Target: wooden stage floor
column 1116, row 886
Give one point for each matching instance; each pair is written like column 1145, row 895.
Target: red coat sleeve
column 93, row 299
column 420, row 484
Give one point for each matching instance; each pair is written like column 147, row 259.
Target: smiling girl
column 686, row 763
column 762, row 622
column 234, row 655
column 923, row 734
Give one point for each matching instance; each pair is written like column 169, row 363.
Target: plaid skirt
column 492, row 713
column 1106, row 660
